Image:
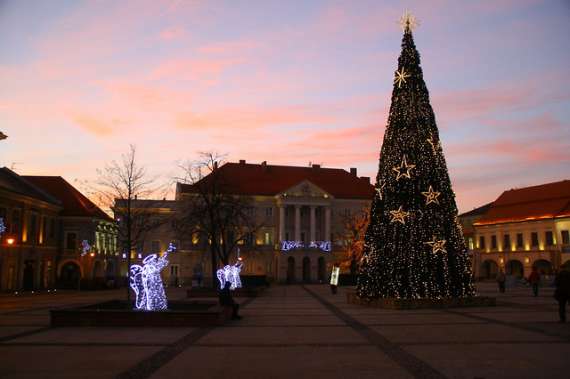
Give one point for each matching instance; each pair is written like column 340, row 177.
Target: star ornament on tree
column 399, row 216
column 404, row 166
column 379, row 190
column 408, row 22
column 431, row 196
column 401, row 77
column 437, row 245
column 435, row 145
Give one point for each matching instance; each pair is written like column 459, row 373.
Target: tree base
column 393, row 303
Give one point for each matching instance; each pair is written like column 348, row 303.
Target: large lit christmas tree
column 414, row 246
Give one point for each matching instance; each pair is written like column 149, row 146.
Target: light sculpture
column 85, row 247
column 292, row 245
column 230, row 273
column 146, row 282
column 2, row 226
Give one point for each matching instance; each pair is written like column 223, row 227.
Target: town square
column 267, row 189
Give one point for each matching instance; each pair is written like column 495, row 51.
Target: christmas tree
column 414, row 246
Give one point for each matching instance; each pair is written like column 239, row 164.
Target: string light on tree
column 431, row 196
column 404, row 166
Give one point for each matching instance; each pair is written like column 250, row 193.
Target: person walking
column 226, row 300
column 534, row 280
column 562, row 292
column 501, row 279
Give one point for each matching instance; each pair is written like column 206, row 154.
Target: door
column 290, row 270
column 306, row 269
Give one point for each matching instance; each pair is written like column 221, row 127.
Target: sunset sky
column 290, row 82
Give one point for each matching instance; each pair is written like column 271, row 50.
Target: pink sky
column 286, row 82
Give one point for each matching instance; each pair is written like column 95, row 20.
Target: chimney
column 353, row 171
column 242, row 161
column 316, row 166
column 215, row 166
column 264, row 163
column 367, row 178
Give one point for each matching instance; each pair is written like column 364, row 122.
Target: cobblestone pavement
column 294, row 331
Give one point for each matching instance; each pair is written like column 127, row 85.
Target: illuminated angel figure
column 230, row 274
column 146, row 282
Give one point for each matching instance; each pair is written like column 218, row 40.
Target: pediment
column 305, row 189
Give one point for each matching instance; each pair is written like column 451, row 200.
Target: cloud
column 172, row 33
column 96, row 125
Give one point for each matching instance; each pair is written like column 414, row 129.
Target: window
column 269, row 212
column 519, row 240
column 470, row 243
column 565, row 237
column 493, row 242
column 303, row 236
column 481, row 242
column 287, row 236
column 267, row 238
column 549, row 238
column 534, row 239
column 506, row 241
column 195, row 238
column 71, row 241
column 155, row 247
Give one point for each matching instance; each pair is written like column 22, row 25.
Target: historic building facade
column 47, row 220
column 300, row 211
column 524, row 228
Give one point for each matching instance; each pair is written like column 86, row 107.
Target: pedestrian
column 562, row 292
column 534, row 280
column 501, row 279
column 334, row 279
column 226, row 300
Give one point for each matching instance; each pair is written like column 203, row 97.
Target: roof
column 544, row 201
column 15, row 183
column 270, row 180
column 74, row 202
column 477, row 211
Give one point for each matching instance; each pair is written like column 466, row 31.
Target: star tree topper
column 408, row 22
column 404, row 166
column 431, row 196
column 399, row 216
column 437, row 245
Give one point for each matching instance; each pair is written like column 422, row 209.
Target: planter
column 119, row 313
column 197, row 292
column 392, row 303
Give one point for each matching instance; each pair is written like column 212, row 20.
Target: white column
column 313, row 231
column 297, row 222
column 327, row 224
column 281, row 223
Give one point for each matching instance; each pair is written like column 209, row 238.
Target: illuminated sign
column 292, row 245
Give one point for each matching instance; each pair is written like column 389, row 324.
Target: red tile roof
column 270, row 180
column 74, row 202
column 531, row 203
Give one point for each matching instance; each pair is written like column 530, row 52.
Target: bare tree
column 354, row 228
column 213, row 210
column 119, row 186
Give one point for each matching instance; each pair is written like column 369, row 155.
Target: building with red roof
column 48, row 221
column 301, row 210
column 525, row 227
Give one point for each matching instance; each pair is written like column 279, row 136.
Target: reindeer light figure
column 230, row 273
